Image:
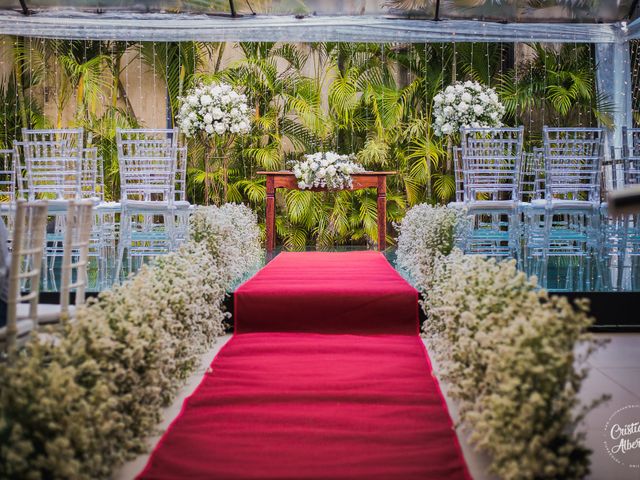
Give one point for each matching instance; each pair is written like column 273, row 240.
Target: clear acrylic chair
column 183, row 208
column 102, row 246
column 7, row 186
column 624, row 238
column 53, row 170
column 77, row 238
column 491, row 164
column 27, row 247
column 631, row 155
column 53, row 162
column 148, row 159
column 565, row 224
column 458, row 179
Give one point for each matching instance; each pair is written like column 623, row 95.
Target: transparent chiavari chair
column 458, row 178
column 565, row 224
column 53, row 162
column 102, row 246
column 27, row 248
column 7, row 186
column 20, row 169
column 183, row 207
column 148, row 159
column 77, row 239
column 491, row 161
column 53, row 170
column 626, row 236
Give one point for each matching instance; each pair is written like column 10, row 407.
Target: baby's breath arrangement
column 79, row 406
column 237, row 224
column 505, row 349
column 427, row 233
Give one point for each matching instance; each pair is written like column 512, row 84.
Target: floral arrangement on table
column 214, row 109
column 101, row 385
column 506, row 351
column 216, row 113
column 467, row 104
column 326, row 170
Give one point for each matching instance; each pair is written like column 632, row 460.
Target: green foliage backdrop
column 373, row 100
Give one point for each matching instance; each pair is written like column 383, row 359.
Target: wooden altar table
column 286, row 179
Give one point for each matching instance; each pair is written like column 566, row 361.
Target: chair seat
column 47, row 312
column 144, row 206
column 456, row 205
column 105, row 207
column 564, row 204
column 24, row 327
column 492, row 205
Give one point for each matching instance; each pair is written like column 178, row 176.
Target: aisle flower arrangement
column 326, row 170
column 101, row 385
column 467, row 104
column 505, row 350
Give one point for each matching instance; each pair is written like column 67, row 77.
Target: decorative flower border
column 505, row 348
column 79, row 406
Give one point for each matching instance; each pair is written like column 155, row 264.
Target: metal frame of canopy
column 611, row 39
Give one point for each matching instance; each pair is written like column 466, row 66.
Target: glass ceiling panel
column 582, row 11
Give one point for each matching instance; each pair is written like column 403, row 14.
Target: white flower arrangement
column 326, row 170
column 214, row 109
column 505, row 350
column 232, row 236
column 101, row 385
column 467, row 104
column 426, row 233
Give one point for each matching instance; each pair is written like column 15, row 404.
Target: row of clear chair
column 548, row 199
column 149, row 219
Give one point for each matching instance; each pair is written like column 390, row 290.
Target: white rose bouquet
column 214, row 109
column 326, row 169
column 467, row 104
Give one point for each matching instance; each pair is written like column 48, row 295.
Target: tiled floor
column 615, row 371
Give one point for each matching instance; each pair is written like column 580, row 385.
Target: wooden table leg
column 382, row 212
column 270, row 221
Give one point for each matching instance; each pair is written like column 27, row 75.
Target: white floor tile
column 623, row 350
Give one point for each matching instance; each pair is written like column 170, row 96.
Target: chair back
column 458, row 173
column 20, row 169
column 30, row 223
column 573, row 163
column 181, row 175
column 92, row 180
column 76, row 252
column 532, row 175
column 631, row 155
column 147, row 160
column 7, row 176
column 491, row 159
column 53, row 163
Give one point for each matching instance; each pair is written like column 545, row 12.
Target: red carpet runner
column 325, row 378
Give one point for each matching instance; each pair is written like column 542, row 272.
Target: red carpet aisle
column 325, row 378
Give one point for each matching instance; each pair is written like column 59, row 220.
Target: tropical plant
column 375, row 100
